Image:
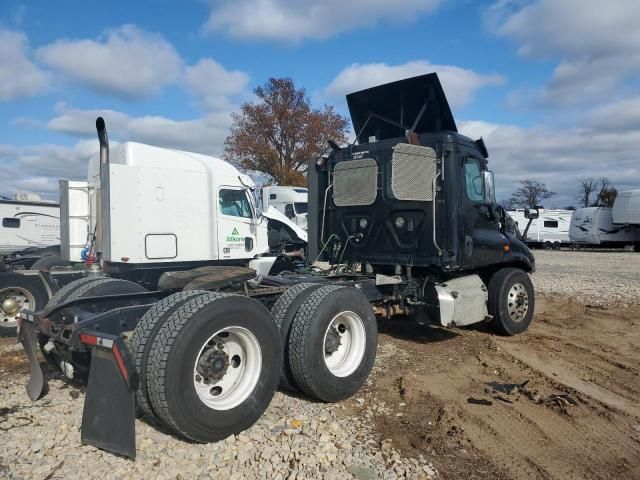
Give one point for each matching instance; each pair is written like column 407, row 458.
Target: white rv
column 626, row 208
column 28, row 222
column 291, row 201
column 550, row 229
column 595, row 226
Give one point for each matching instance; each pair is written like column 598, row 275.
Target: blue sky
column 552, row 86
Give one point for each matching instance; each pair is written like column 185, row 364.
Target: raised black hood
column 388, row 111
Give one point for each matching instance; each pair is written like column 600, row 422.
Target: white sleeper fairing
column 172, row 206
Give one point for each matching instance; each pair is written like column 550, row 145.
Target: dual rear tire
column 330, row 340
column 208, row 363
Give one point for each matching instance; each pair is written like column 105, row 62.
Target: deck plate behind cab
column 205, row 278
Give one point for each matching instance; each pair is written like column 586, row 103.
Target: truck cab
column 290, row 201
column 413, row 192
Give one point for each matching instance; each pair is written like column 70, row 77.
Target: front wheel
column 511, row 301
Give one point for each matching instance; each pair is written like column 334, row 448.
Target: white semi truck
column 291, row 201
column 168, row 209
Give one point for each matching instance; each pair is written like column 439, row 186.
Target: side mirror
column 531, row 213
column 288, row 211
column 489, row 196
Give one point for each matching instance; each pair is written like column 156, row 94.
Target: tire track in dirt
column 455, row 395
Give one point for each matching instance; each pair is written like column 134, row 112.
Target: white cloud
column 37, row 168
column 296, row 20
column 598, row 48
column 209, row 80
column 459, row 84
column 557, row 157
column 19, row 76
column 203, row 135
column 125, row 61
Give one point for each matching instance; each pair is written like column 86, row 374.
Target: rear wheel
column 143, row 336
column 213, row 366
column 332, row 343
column 61, row 295
column 511, row 301
column 18, row 292
column 284, row 311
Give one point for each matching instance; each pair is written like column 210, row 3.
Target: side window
column 551, row 223
column 234, row 203
column 473, row 180
column 11, row 222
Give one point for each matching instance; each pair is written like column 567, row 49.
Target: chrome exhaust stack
column 103, row 240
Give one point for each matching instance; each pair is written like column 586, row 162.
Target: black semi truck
column 403, row 222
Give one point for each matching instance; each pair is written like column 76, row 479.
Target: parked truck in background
column 291, row 201
column 405, row 218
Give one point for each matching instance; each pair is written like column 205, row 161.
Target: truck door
column 482, row 243
column 236, row 224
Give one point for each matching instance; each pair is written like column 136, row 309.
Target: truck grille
column 355, row 182
column 413, row 169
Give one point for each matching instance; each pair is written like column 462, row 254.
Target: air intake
column 413, row 169
column 355, row 182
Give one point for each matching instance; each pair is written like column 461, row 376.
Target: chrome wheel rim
column 227, row 368
column 344, row 344
column 518, row 302
column 12, row 301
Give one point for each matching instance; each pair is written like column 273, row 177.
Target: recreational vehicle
column 594, row 226
column 28, row 222
column 291, row 201
column 550, row 230
column 626, row 208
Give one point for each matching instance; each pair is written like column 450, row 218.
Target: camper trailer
column 594, row 226
column 550, row 230
column 626, row 208
column 291, row 201
column 28, row 222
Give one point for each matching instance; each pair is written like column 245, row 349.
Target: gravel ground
column 598, row 278
column 296, row 438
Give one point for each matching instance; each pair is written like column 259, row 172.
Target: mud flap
column 29, row 340
column 108, row 417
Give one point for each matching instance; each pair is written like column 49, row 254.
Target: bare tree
column 530, row 194
column 507, row 204
column 607, row 194
column 587, row 186
column 279, row 133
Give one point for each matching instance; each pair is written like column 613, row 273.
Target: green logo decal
column 235, row 236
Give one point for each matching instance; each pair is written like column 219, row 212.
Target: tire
column 143, row 336
column 505, row 285
column 18, row 292
column 61, row 295
column 333, row 310
column 178, row 344
column 46, row 263
column 283, row 311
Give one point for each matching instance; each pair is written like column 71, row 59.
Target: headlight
column 363, row 223
column 399, row 222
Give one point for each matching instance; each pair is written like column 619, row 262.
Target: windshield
column 300, row 207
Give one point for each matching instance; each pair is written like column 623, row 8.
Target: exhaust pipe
column 103, row 138
column 103, row 239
